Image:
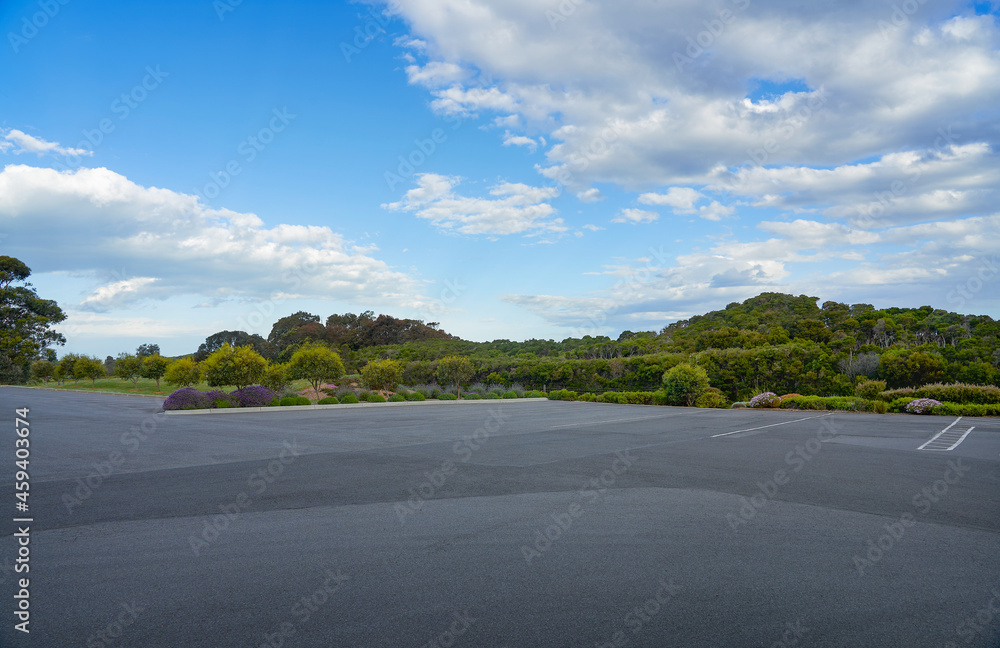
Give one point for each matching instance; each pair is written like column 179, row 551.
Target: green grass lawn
column 145, row 386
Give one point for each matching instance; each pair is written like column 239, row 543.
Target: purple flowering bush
column 255, row 396
column 767, row 399
column 188, row 398
column 922, row 406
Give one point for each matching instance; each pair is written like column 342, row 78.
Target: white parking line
column 772, row 425
column 943, row 441
column 622, row 420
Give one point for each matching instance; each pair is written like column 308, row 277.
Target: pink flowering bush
column 767, row 399
column 922, row 406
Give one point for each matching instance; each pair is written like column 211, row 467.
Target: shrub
column 187, row 398
column 446, row 396
column 257, row 396
column 329, row 400
column 844, row 403
column 288, row 401
column 340, row 393
column 221, row 403
column 375, row 398
column 562, row 394
column 397, row 398
column 518, row 389
column 787, row 396
column 348, row 398
column 217, row 395
column 893, row 394
column 879, row 406
column 491, row 395
column 960, row 393
column 869, row 389
column 740, row 405
column 415, row 396
column 660, row 397
column 510, row 394
column 423, row 390
column 712, row 397
column 382, row 375
column 472, row 396
column 766, row 399
column 898, row 405
column 684, row 383
column 968, row 409
column 922, row 406
column 535, row 394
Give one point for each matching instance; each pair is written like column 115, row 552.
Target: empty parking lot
column 503, row 523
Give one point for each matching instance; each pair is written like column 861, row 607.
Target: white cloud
column 515, row 209
column 592, row 228
column 621, row 111
column 682, row 199
column 117, row 293
column 436, row 74
column 635, row 216
column 590, row 195
column 715, row 211
column 88, row 220
column 519, row 140
column 29, row 144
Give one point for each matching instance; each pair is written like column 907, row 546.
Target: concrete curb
column 296, row 408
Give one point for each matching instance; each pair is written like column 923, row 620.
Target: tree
column 182, row 372
column 129, row 367
column 684, row 383
column 146, row 350
column 44, row 370
column 382, row 375
column 276, row 377
column 88, row 367
column 154, row 366
column 65, row 366
column 215, row 341
column 240, row 367
column 455, row 370
column 109, row 366
column 316, row 363
column 25, row 321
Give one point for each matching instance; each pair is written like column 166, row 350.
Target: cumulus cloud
column 514, row 209
column 635, row 216
column 519, row 140
column 682, row 199
column 590, row 195
column 175, row 245
column 21, row 142
column 629, row 109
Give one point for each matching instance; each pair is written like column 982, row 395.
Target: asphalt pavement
column 497, row 524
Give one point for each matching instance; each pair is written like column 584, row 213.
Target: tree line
column 774, row 341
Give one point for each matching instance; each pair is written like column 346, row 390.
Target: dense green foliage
column 316, row 363
column 382, row 375
column 25, row 322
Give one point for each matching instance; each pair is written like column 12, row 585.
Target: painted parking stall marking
column 947, row 439
column 770, row 426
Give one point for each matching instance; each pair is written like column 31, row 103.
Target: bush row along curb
column 292, row 408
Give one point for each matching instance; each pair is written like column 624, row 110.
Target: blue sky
column 510, row 169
